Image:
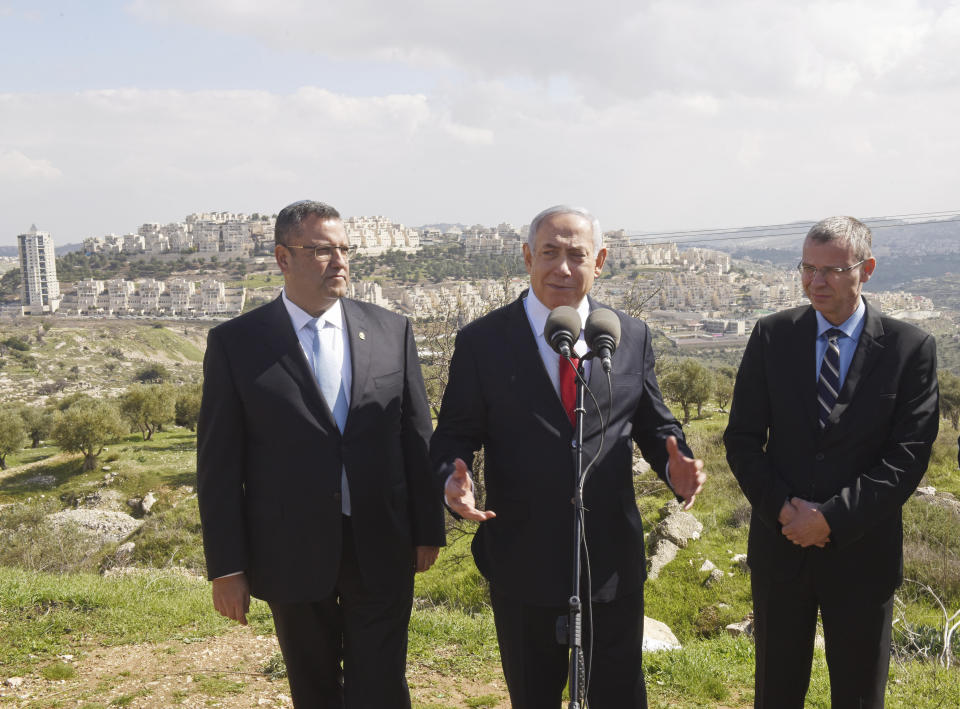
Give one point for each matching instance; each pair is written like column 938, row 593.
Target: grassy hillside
column 99, row 357
column 56, row 602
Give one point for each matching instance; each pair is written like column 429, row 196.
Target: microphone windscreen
column 563, row 318
column 602, row 322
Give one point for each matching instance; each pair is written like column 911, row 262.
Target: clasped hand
column 804, row 523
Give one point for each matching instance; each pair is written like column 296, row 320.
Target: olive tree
column 688, row 383
column 148, row 406
column 13, row 435
column 87, row 427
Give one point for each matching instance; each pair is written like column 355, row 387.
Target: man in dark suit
column 834, row 412
column 506, row 393
column 314, row 482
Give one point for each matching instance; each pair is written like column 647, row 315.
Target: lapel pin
column 362, row 335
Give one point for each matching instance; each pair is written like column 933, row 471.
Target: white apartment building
column 152, row 297
column 375, row 235
column 39, row 287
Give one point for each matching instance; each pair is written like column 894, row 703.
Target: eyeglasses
column 808, row 271
column 325, row 252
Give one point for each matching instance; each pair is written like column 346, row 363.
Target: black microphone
column 562, row 329
column 602, row 334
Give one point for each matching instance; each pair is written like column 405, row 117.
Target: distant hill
column 61, row 249
column 442, row 226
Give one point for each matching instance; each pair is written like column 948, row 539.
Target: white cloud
column 617, row 49
column 661, row 161
column 14, row 165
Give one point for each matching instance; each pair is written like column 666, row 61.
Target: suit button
column 336, row 497
column 818, row 456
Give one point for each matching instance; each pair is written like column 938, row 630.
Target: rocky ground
column 224, row 671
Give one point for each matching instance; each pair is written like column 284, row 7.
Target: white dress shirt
column 537, row 314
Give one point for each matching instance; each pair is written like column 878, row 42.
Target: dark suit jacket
column 861, row 468
column 269, row 455
column 499, row 396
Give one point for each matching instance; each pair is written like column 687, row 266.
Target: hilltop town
column 218, row 264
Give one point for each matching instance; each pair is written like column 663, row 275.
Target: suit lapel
column 597, row 381
column 802, row 355
column 356, row 323
column 531, row 374
column 283, row 338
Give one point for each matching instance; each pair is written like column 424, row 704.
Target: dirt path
column 17, row 469
column 224, row 671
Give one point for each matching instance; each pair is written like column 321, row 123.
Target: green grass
column 454, row 582
column 58, row 670
column 216, row 685
column 166, row 340
column 45, row 615
column 24, row 456
column 258, row 280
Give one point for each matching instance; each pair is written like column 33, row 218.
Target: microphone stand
column 576, row 675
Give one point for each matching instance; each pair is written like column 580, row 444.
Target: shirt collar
column 849, row 326
column 300, row 317
column 538, row 312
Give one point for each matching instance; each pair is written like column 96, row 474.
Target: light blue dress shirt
column 852, row 327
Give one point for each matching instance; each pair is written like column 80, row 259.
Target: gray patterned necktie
column 828, row 386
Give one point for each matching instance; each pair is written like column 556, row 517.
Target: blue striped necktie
column 828, row 386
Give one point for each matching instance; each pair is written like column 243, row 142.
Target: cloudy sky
column 676, row 114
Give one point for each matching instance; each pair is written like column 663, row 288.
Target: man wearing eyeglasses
column 834, row 413
column 314, row 481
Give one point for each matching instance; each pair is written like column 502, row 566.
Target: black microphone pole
column 602, row 333
column 577, row 673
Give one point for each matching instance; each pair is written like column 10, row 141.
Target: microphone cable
column 581, row 483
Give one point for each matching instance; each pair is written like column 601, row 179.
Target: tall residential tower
column 39, row 289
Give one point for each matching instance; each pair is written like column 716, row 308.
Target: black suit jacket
column 269, row 455
column 499, row 396
column 861, row 468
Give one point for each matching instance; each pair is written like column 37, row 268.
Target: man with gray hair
column 834, row 413
column 511, row 394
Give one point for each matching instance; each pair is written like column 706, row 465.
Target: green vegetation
column 87, row 427
column 78, row 265
column 13, row 435
column 434, row 264
column 688, row 383
column 54, row 601
column 148, row 406
column 10, row 285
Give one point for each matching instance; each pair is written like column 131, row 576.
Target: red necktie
column 568, row 387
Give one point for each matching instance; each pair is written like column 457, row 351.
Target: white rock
column 147, row 503
column 14, row 682
column 744, row 627
column 124, row 552
column 708, row 565
column 923, row 491
column 663, row 552
column 105, row 525
column 740, row 561
column 715, row 575
column 658, row 636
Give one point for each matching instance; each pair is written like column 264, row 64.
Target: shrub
column 28, row 542
column 86, row 427
column 931, row 549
